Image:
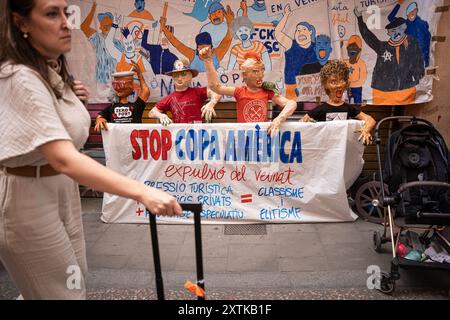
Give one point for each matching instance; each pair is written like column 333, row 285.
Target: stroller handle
column 415, row 184
column 401, row 119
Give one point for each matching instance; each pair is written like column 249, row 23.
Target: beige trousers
column 41, row 236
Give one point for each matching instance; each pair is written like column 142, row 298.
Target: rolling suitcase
column 196, row 209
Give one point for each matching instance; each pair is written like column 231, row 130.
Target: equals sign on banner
column 246, row 198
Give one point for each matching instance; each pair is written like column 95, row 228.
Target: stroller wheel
column 368, row 201
column 387, row 285
column 377, row 241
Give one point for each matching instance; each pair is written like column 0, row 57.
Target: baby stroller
column 416, row 172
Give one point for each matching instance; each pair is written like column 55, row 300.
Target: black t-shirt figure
column 130, row 112
column 334, row 77
column 124, row 111
column 328, row 112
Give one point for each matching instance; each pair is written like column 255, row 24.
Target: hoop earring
column 25, row 35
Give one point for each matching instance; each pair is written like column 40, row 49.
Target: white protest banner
column 239, row 173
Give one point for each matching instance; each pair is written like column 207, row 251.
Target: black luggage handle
column 196, row 209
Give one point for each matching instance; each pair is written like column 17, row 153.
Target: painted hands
column 306, row 118
column 100, row 124
column 358, row 13
column 117, row 20
column 229, row 15
column 208, row 111
column 287, row 9
column 205, row 53
column 365, row 136
column 165, row 120
column 162, row 22
column 243, row 6
column 136, row 68
column 275, row 125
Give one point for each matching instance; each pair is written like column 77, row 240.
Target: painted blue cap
column 412, row 6
column 203, row 38
column 215, row 6
column 102, row 16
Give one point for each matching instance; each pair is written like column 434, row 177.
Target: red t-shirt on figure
column 252, row 106
column 185, row 106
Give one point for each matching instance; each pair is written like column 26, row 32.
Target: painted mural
column 386, row 44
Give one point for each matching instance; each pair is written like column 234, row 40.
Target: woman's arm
column 213, row 80
column 64, row 158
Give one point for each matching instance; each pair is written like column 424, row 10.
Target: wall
column 438, row 111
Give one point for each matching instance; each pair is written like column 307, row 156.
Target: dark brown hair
column 18, row 50
column 334, row 67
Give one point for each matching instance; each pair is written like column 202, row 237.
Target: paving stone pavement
column 292, row 261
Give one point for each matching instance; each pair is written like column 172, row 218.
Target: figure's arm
column 427, row 42
column 181, row 47
column 101, row 121
column 306, row 118
column 281, row 37
column 213, row 79
column 162, row 117
column 366, row 130
column 312, row 115
column 144, row 43
column 100, row 124
column 232, row 61
column 289, row 107
column 419, row 65
column 214, row 97
column 224, row 45
column 86, row 24
column 109, row 41
column 369, row 37
column 393, row 15
column 363, row 73
column 208, row 110
column 266, row 59
column 64, row 158
column 243, row 9
column 144, row 92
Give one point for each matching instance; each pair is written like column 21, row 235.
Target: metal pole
column 156, row 258
column 198, row 251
